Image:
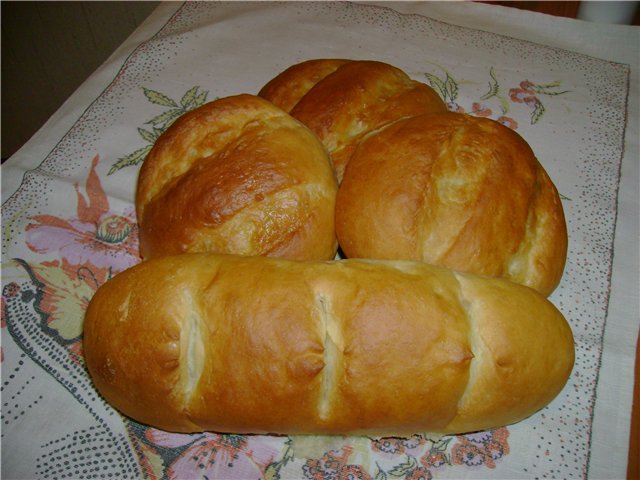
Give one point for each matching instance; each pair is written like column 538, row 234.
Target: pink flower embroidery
column 482, row 448
column 95, row 235
column 434, row 458
column 480, row 110
column 526, row 85
column 519, row 95
column 455, row 107
column 209, row 455
column 394, row 446
column 508, row 122
column 479, row 437
column 388, row 445
column 467, row 453
column 333, row 465
column 420, row 473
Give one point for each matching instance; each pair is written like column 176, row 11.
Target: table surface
column 570, row 88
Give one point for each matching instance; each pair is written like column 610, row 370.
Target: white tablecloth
column 570, row 88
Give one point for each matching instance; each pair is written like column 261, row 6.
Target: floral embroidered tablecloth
column 68, row 225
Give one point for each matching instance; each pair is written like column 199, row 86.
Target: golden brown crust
column 199, row 342
column 509, row 357
column 457, row 191
column 288, row 87
column 355, row 98
column 237, row 175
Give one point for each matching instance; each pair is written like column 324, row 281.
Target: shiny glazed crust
column 237, row 175
column 345, row 100
column 286, row 89
column 456, row 191
column 205, row 342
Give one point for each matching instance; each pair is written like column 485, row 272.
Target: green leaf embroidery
column 132, row 159
column 494, row 92
column 437, row 85
column 288, row 453
column 166, row 117
column 494, row 87
column 380, row 475
column 441, row 445
column 447, row 88
column 150, row 137
column 158, row 98
column 451, row 88
column 544, row 86
column 538, row 111
column 403, row 469
column 504, row 105
column 547, row 88
column 191, row 99
column 272, row 472
column 158, row 131
column 552, row 94
column 188, row 99
column 200, row 99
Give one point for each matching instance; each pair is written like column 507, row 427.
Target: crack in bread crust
column 331, row 357
column 194, row 354
column 474, row 343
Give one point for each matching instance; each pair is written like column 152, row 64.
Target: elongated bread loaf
column 340, row 100
column 457, row 191
column 200, row 342
column 237, row 175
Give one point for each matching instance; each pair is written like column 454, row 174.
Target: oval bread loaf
column 237, row 175
column 204, row 342
column 457, row 191
column 340, row 100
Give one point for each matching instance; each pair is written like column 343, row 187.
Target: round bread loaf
column 456, row 191
column 290, row 86
column 237, row 175
column 341, row 101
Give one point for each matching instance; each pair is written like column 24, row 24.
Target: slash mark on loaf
column 194, row 351
column 475, row 341
column 331, row 356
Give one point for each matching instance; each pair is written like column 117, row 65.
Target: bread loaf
column 204, row 342
column 237, row 175
column 286, row 89
column 340, row 101
column 453, row 190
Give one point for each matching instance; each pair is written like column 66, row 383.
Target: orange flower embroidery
column 94, row 236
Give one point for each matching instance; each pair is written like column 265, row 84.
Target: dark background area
column 48, row 50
